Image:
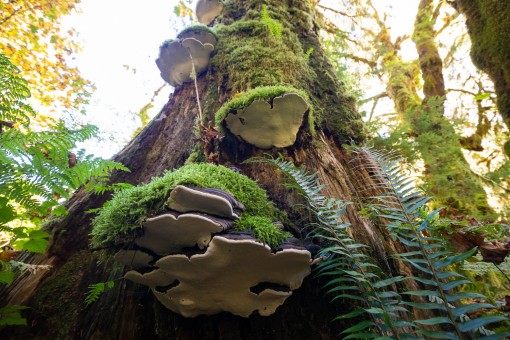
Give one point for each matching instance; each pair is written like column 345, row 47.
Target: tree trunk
column 447, row 174
column 129, row 311
column 489, row 29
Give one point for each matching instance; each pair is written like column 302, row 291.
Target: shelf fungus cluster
column 188, row 56
column 196, row 263
column 208, row 10
column 268, row 125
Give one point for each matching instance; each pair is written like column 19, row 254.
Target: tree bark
column 128, row 311
column 489, row 28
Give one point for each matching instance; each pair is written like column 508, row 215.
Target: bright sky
column 121, row 40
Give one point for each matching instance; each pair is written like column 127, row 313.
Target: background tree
column 33, row 36
column 421, row 122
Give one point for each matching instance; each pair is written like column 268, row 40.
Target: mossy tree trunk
column 247, row 55
column 489, row 29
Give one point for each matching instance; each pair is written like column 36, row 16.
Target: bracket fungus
column 208, row 200
column 267, row 125
column 177, row 57
column 198, row 250
column 208, row 10
column 223, row 278
column 170, row 233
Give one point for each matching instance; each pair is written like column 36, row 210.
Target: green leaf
column 37, row 245
column 38, row 234
column 359, row 327
column 439, row 334
column 7, row 212
column 454, row 283
column 464, row 295
column 352, row 314
column 479, row 322
column 389, row 281
column 6, row 276
column 470, row 308
column 482, row 96
column 454, row 259
column 10, row 315
column 434, row 321
column 59, row 211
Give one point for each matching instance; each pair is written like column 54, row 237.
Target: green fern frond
column 350, row 273
column 14, row 92
column 96, row 290
column 402, row 204
column 274, row 26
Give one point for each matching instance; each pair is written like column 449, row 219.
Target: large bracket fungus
column 266, row 125
column 224, row 277
column 190, row 252
column 208, row 10
column 177, row 57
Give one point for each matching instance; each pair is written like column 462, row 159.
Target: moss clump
column 263, row 229
column 249, row 56
column 120, row 219
column 194, row 29
column 266, row 93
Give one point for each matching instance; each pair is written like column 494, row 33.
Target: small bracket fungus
column 221, row 279
column 170, row 233
column 177, row 57
column 208, row 10
column 265, row 125
column 211, row 201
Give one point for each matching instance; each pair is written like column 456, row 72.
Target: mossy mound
column 265, row 93
column 250, row 56
column 120, row 220
column 194, row 29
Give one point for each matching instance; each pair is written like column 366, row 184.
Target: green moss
column 194, row 28
column 120, row 219
column 266, row 93
column 263, row 229
column 250, row 56
column 489, row 29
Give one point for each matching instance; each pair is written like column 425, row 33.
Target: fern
column 14, row 91
column 96, row 290
column 38, row 168
column 401, row 204
column 274, row 26
column 351, row 273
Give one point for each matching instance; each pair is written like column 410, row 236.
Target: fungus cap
column 210, row 201
column 170, row 233
column 265, row 125
column 174, row 60
column 208, row 10
column 222, row 278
